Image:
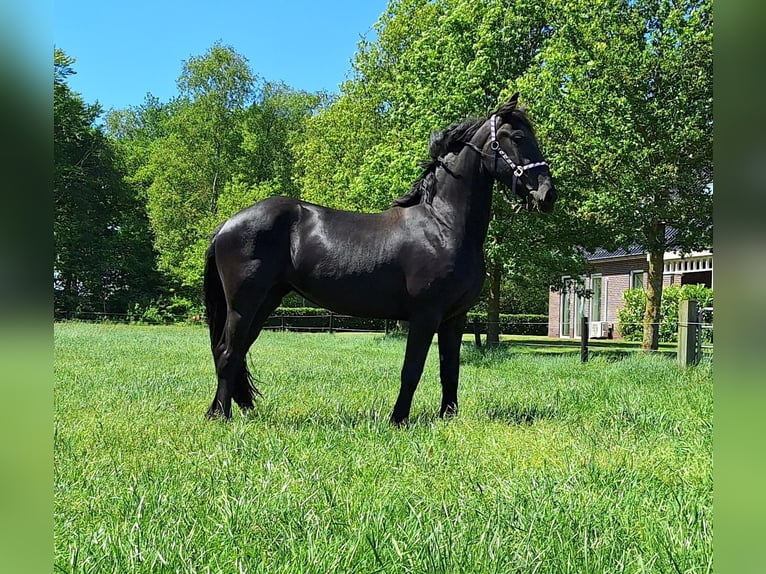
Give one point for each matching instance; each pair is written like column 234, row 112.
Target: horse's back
column 263, row 215
column 256, row 236
column 313, row 237
column 368, row 264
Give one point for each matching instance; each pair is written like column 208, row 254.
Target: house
column 612, row 273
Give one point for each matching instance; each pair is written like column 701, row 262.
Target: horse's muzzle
column 544, row 198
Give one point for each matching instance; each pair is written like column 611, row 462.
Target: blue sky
column 126, row 49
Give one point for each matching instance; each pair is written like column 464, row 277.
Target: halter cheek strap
column 494, row 145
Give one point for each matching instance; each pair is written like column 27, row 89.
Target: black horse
column 420, row 261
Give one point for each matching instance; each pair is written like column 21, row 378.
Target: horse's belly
column 380, row 296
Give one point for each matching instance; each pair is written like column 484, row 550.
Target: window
column 565, row 317
column 596, row 304
column 579, row 312
column 637, row 279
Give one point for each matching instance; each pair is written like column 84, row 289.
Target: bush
column 167, row 310
column 630, row 319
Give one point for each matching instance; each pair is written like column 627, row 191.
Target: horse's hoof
column 216, row 414
column 403, row 423
column 449, row 412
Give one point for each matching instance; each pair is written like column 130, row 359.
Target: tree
column 225, row 142
column 134, row 130
column 333, row 147
column 196, row 155
column 434, row 63
column 272, row 126
column 628, row 86
column 102, row 254
column 271, row 129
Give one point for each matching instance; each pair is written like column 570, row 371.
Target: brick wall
column 616, row 274
column 616, row 279
column 554, row 309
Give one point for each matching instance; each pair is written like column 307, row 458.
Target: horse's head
column 512, row 156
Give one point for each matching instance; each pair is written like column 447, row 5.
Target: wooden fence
column 695, row 334
column 695, row 329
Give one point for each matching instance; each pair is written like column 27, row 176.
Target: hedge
column 516, row 324
column 315, row 319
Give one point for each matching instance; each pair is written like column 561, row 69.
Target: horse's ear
column 507, row 109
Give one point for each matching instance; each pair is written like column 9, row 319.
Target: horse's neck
column 464, row 195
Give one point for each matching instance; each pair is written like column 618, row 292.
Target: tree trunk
column 493, row 305
column 654, row 288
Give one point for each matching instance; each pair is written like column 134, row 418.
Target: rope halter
column 494, row 145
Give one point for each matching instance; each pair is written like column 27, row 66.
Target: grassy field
column 552, row 466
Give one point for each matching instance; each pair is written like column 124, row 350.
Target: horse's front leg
column 421, row 333
column 450, row 338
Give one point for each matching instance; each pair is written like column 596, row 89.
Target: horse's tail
column 215, row 299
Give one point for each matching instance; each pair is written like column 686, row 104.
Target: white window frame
column 565, row 292
column 600, row 303
column 633, row 278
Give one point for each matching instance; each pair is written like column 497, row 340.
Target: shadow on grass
column 376, row 418
column 517, row 414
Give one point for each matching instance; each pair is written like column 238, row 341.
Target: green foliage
column 103, row 258
column 625, row 90
column 630, row 318
column 225, row 143
column 316, row 480
column 332, row 150
column 170, row 309
column 274, row 125
column 517, row 296
column 671, row 298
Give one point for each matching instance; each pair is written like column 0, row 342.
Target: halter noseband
column 494, row 145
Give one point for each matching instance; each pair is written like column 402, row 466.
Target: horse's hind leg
column 244, row 322
column 242, row 387
column 229, row 356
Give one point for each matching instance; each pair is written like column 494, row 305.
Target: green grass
column 552, row 466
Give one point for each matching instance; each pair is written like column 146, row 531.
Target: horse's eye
column 517, row 135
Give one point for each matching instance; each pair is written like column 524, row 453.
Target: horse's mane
column 452, row 139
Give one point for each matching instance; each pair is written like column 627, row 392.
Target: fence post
column 688, row 333
column 477, row 334
column 584, row 333
column 331, row 316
